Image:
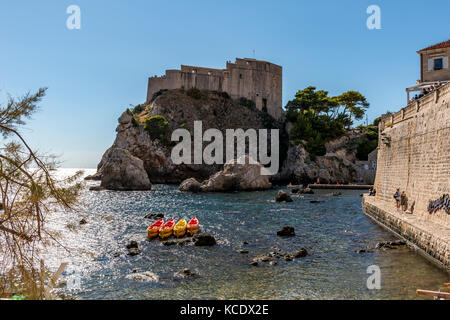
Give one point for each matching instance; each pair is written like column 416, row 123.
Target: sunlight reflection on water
column 330, row 231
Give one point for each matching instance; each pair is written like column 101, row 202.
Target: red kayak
column 153, row 230
column 167, row 229
column 192, row 226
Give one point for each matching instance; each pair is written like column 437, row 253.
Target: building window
column 438, row 63
column 240, row 76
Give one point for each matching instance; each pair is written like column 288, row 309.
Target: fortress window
column 240, row 76
column 438, row 64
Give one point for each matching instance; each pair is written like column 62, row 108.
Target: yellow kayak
column 180, row 228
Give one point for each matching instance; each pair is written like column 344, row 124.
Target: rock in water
column 283, row 197
column 286, row 231
column 154, row 216
column 122, row 171
column 132, row 244
column 190, row 185
column 147, row 276
column 307, row 191
column 299, row 253
column 238, row 175
column 133, row 251
column 185, row 273
column 204, row 239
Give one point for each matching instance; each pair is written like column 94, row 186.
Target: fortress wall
column 418, row 157
column 259, row 81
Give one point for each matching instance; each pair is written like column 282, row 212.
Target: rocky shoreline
column 140, row 157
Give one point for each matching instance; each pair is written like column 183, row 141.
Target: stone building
column 434, row 67
column 434, row 62
column 256, row 80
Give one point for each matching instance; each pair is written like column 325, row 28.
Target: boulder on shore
column 123, row 171
column 283, row 197
column 286, row 231
column 190, row 185
column 238, row 175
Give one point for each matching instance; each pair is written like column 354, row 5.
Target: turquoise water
column 330, row 231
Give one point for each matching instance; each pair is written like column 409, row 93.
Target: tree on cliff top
column 29, row 192
column 318, row 118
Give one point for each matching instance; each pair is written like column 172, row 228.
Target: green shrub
column 158, row 128
column 365, row 147
column 194, row 93
column 138, row 109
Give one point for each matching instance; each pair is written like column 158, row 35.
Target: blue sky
column 95, row 73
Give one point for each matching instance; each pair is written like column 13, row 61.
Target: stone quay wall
column 414, row 156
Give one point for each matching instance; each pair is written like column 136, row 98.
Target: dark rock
column 204, row 239
column 336, row 193
column 83, row 221
column 299, row 253
column 286, row 231
column 283, row 197
column 154, row 216
column 254, row 263
column 116, row 254
column 390, row 244
column 132, row 244
column 180, row 242
column 190, row 185
column 94, row 177
column 96, row 188
column 316, row 201
column 244, row 242
column 306, row 191
column 288, row 258
column 133, row 251
column 185, row 273
column 295, row 190
column 243, row 251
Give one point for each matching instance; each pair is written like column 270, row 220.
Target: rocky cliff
column 144, row 133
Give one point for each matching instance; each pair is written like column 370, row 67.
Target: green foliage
column 158, row 128
column 376, row 121
column 368, row 143
column 318, row 118
column 194, row 93
column 138, row 109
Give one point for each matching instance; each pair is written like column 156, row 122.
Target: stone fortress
column 256, row 80
column 414, row 156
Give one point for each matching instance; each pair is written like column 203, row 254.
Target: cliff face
column 339, row 164
column 414, row 154
column 180, row 108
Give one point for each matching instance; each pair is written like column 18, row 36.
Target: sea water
column 331, row 231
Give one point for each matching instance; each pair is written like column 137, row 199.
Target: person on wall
column 397, row 198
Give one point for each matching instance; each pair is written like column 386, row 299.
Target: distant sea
column 331, row 231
